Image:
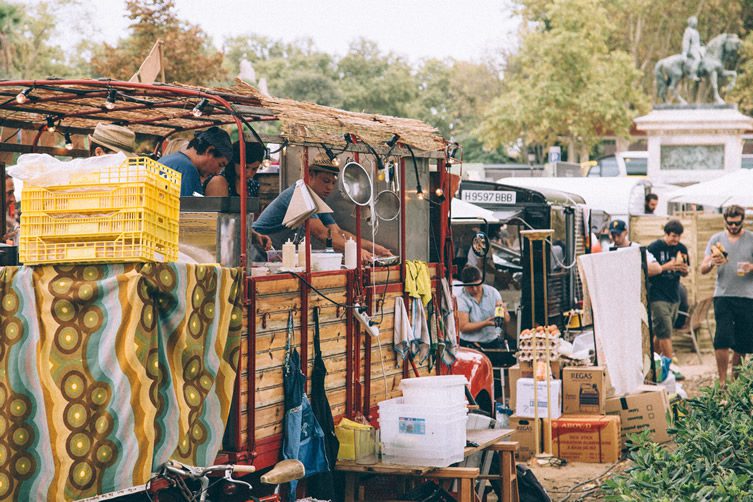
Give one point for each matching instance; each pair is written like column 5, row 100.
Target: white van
column 620, row 164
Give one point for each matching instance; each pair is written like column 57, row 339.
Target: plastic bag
column 40, row 169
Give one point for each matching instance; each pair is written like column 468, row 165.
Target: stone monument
column 689, row 143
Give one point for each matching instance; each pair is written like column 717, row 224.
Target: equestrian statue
column 697, row 62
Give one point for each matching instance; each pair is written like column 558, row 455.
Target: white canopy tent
column 733, row 188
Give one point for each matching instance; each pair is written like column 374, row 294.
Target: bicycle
column 184, row 477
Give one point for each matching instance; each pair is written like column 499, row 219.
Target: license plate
column 488, row 197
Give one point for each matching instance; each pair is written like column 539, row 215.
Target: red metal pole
column 403, row 246
column 307, row 275
column 251, row 375
column 350, row 326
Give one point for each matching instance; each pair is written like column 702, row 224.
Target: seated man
column 322, row 179
column 110, row 138
column 476, row 313
column 206, row 154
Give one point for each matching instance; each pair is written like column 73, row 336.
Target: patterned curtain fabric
column 106, row 371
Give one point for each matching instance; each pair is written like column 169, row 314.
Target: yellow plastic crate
column 65, row 227
column 137, row 247
column 138, row 183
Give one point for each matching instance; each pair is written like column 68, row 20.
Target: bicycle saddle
column 284, row 471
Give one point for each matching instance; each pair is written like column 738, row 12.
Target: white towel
column 614, row 287
column 403, row 332
column 448, row 321
column 421, row 341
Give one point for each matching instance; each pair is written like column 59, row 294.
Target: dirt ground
column 580, row 482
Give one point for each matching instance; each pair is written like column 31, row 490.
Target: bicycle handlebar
column 198, row 472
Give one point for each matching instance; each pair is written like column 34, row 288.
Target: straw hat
column 323, row 163
column 115, row 137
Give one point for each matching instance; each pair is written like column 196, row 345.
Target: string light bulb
column 68, row 142
column 419, row 193
column 23, row 96
column 50, row 124
column 267, row 161
column 439, row 192
column 198, row 110
column 110, row 101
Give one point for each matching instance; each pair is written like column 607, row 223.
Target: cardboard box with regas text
column 523, row 433
column 584, row 390
column 646, row 408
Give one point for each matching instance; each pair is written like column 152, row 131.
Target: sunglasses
column 733, row 223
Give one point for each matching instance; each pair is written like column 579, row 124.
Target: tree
column 26, row 50
column 189, row 56
column 294, row 70
column 376, row 83
column 566, row 84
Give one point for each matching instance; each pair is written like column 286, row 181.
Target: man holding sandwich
column 731, row 253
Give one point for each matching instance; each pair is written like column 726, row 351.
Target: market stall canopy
column 160, row 109
column 615, row 196
column 734, row 188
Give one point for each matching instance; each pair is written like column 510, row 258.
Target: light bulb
column 198, row 110
column 336, row 162
column 439, row 192
column 68, row 142
column 380, row 176
column 23, row 96
column 419, row 194
column 110, row 101
column 50, row 124
column 266, row 163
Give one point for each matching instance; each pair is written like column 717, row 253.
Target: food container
column 274, row 255
column 322, row 262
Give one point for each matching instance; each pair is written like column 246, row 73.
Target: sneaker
column 678, row 376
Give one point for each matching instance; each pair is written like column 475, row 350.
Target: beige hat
column 324, row 164
column 115, row 137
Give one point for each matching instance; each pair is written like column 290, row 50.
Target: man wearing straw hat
column 322, row 180
column 111, row 138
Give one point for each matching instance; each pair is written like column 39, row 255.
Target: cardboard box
column 525, row 370
column 646, row 408
column 584, row 390
column 584, row 438
column 523, row 433
column 524, row 406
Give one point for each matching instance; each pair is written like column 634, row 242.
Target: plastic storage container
column 321, row 262
column 422, row 435
column 123, row 213
column 429, row 390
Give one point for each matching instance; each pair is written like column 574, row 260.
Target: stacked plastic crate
column 427, row 425
column 125, row 213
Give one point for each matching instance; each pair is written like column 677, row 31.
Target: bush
column 713, row 458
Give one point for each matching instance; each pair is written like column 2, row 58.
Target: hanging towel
column 420, row 344
column 403, row 332
column 447, row 323
column 418, row 280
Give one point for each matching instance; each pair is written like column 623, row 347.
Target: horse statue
column 720, row 53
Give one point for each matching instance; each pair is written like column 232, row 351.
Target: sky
column 464, row 29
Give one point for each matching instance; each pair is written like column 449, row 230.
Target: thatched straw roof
column 165, row 108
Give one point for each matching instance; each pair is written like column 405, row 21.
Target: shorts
column 663, row 315
column 734, row 324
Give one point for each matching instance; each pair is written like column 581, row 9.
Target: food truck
column 519, row 268
column 99, row 414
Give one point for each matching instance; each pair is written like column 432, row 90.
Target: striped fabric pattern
column 106, row 371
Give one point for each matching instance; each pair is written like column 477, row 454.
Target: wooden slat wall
column 273, row 299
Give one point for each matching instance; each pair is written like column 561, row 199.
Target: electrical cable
column 307, row 283
column 549, row 240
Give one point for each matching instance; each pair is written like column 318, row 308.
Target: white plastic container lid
column 433, row 381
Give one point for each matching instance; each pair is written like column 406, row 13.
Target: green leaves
column 712, row 460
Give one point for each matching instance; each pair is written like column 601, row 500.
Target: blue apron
column 303, row 438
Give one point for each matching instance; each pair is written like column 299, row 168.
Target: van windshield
column 636, row 166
